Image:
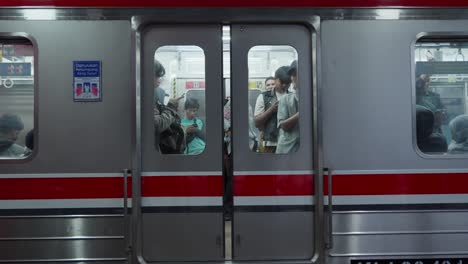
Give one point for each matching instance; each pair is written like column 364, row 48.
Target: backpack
column 172, row 140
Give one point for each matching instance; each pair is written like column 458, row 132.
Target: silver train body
column 67, row 203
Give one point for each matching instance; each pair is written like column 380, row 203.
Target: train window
column 441, row 91
column 16, row 98
column 179, row 99
column 273, row 99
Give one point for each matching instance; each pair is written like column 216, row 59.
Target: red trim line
column 236, row 3
column 176, row 186
column 273, row 185
column 365, row 184
column 400, row 184
column 251, row 185
column 108, row 187
column 61, row 188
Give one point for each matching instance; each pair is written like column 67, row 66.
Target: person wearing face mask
column 10, row 127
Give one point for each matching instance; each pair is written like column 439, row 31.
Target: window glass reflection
column 441, row 95
column 179, row 100
column 16, row 98
column 273, row 99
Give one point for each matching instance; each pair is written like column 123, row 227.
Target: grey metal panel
column 245, row 37
column 399, row 233
column 183, row 236
column 60, row 249
column 273, row 235
column 79, row 137
column 400, row 244
column 207, row 37
column 430, row 221
column 60, row 227
column 367, row 94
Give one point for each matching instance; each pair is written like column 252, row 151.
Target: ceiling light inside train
column 39, row 14
column 388, row 14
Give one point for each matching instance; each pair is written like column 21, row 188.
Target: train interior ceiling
column 148, row 135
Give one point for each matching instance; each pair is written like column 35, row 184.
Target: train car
column 296, row 131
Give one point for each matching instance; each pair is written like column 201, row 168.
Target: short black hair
column 282, row 74
column 159, row 70
column 269, row 78
column 293, row 68
column 191, row 103
column 9, row 122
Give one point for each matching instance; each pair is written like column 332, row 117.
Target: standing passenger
column 159, row 72
column 266, row 108
column 269, row 83
column 288, row 117
column 169, row 135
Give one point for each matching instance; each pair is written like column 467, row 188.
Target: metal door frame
column 205, row 16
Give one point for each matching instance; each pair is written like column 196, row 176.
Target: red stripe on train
column 395, row 184
column 61, row 188
column 209, row 186
column 236, row 3
column 176, row 186
column 107, row 187
column 364, row 184
column 273, row 185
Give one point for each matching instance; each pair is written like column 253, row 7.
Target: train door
column 273, row 178
column 393, row 120
column 180, row 217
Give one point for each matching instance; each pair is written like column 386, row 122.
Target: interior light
column 388, row 14
column 39, row 14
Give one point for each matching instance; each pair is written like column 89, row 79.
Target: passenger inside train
column 428, row 140
column 193, row 126
column 459, row 128
column 288, row 117
column 266, row 109
column 430, row 100
column 10, row 127
column 169, row 135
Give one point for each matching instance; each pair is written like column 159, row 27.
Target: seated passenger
column 10, row 126
column 427, row 140
column 459, row 129
column 193, row 128
column 431, row 100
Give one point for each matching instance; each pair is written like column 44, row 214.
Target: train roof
column 235, row 3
